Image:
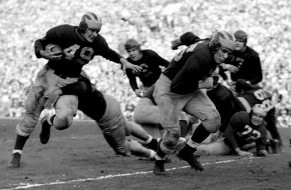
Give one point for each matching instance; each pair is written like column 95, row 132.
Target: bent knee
column 61, row 123
column 212, row 122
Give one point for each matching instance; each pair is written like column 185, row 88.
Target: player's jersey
column 249, row 65
column 191, row 65
column 257, row 96
column 77, row 51
column 241, row 131
column 150, row 72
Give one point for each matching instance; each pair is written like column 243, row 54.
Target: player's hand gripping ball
column 53, row 52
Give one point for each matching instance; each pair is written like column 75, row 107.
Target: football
column 54, row 48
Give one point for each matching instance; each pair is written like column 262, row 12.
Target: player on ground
column 179, row 88
column 80, row 44
column 244, row 132
column 249, row 95
column 148, row 60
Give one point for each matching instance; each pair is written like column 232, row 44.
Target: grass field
column 79, row 158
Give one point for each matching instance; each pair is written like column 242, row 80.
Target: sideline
column 29, row 185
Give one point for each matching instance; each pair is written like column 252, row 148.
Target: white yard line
column 29, row 185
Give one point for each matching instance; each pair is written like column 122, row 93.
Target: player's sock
column 160, row 155
column 20, row 142
column 200, row 134
column 151, row 143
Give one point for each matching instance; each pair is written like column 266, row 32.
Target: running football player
column 80, row 44
column 179, row 88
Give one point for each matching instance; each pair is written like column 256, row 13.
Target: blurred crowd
column 154, row 23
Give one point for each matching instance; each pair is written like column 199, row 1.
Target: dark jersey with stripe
column 191, row 65
column 77, row 51
column 150, row 72
column 241, row 131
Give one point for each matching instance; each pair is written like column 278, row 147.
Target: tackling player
column 179, row 88
column 80, row 44
column 105, row 110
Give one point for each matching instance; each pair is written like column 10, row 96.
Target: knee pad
column 27, row 125
column 22, row 131
column 213, row 122
column 64, row 119
column 61, row 123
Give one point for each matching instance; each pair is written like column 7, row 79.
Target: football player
column 249, row 95
column 105, row 110
column 179, row 88
column 244, row 132
column 244, row 63
column 79, row 44
column 148, row 60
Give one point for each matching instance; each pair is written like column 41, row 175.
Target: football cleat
column 159, row 168
column 45, row 133
column 275, row 146
column 15, row 162
column 188, row 156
